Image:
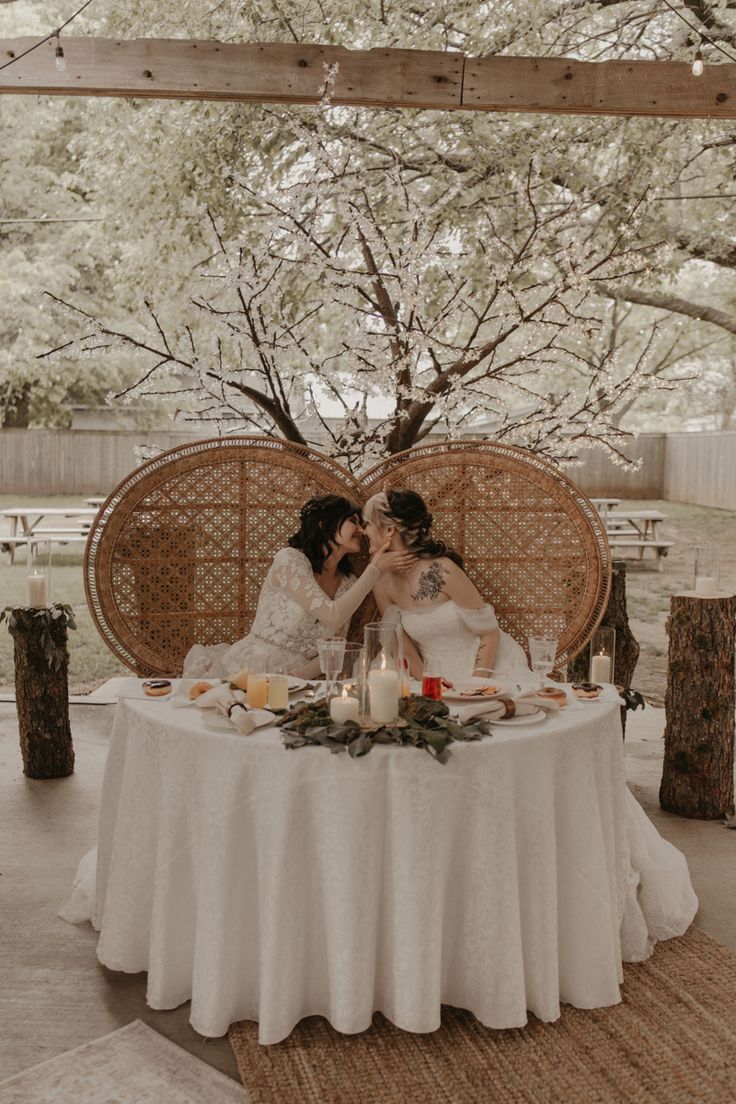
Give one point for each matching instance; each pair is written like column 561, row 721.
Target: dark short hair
column 320, row 519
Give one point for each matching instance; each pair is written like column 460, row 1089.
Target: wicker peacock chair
column 179, row 551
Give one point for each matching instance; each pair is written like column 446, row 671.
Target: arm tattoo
column 430, row 582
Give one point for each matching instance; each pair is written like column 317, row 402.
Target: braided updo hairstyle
column 407, row 512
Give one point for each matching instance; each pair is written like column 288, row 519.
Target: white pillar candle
column 344, row 708
column 257, row 691
column 600, row 668
column 36, row 587
column 706, row 586
column 383, row 686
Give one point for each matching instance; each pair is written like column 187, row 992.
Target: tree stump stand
column 627, row 646
column 42, row 692
column 697, row 777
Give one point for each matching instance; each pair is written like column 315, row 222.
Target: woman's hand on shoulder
column 385, row 560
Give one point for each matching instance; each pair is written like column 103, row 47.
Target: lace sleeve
column 479, row 621
column 292, row 573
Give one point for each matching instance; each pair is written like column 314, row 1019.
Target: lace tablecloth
column 270, row 885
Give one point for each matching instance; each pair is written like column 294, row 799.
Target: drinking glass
column 432, row 678
column 257, row 693
column 331, row 651
column 278, row 683
column 542, row 653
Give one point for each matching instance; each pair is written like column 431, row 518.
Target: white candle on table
column 383, row 686
column 278, row 692
column 706, row 586
column 600, row 668
column 344, row 709
column 36, row 587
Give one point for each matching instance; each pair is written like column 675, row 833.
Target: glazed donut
column 157, row 688
column 198, row 689
column 554, row 693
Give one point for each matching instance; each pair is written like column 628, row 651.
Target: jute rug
column 671, row 1041
column 134, row 1065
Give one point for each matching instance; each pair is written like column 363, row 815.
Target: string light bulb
column 59, row 55
column 698, row 64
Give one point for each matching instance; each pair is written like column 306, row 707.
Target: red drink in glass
column 432, row 687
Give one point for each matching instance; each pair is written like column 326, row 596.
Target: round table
column 268, row 884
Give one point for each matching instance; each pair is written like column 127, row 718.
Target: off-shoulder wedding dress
column 660, row 900
column 293, row 612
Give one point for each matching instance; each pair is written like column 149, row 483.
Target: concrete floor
column 54, row 995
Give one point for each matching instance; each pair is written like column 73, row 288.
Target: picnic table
column 26, row 527
column 638, row 529
column 603, row 505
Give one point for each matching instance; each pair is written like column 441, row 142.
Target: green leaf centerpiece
column 423, row 723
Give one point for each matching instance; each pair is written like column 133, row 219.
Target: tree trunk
column 627, row 647
column 697, row 777
column 42, row 695
column 16, row 405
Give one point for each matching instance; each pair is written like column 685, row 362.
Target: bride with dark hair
column 309, row 592
column 441, row 611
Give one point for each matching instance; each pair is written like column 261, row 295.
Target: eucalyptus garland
column 423, row 724
column 48, row 616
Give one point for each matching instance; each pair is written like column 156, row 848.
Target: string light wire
column 53, row 34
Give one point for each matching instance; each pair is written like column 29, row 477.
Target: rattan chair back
column 179, row 550
column 533, row 544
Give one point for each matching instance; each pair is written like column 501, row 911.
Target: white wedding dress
column 293, row 612
column 661, row 902
column 452, row 634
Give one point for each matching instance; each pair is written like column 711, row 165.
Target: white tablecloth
column 270, row 885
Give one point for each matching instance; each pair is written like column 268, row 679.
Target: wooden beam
column 292, row 73
column 184, row 69
column 566, row 87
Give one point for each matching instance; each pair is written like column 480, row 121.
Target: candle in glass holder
column 383, row 689
column 600, row 668
column 257, row 691
column 705, row 585
column 36, row 589
column 344, row 708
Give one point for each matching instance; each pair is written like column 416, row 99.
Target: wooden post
column 42, row 692
column 697, row 777
column 627, row 647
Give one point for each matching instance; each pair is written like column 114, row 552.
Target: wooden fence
column 699, row 468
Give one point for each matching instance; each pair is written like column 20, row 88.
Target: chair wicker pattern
column 179, row 550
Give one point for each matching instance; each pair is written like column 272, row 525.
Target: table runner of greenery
column 423, row 723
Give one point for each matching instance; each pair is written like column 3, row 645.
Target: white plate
column 296, row 684
column 530, row 718
column 505, row 686
column 214, row 719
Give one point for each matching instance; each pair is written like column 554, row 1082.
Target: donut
column 586, row 690
column 554, row 693
column 157, row 688
column 198, row 689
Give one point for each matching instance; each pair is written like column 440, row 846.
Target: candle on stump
column 705, row 586
column 36, row 589
column 600, row 668
column 383, row 687
column 344, row 708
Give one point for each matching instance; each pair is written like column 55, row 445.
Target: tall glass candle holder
column 707, row 565
column 603, row 655
column 383, row 665
column 38, row 581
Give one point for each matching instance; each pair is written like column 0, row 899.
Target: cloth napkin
column 526, row 705
column 230, row 703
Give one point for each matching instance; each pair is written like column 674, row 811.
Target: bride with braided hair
column 441, row 611
column 309, row 592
